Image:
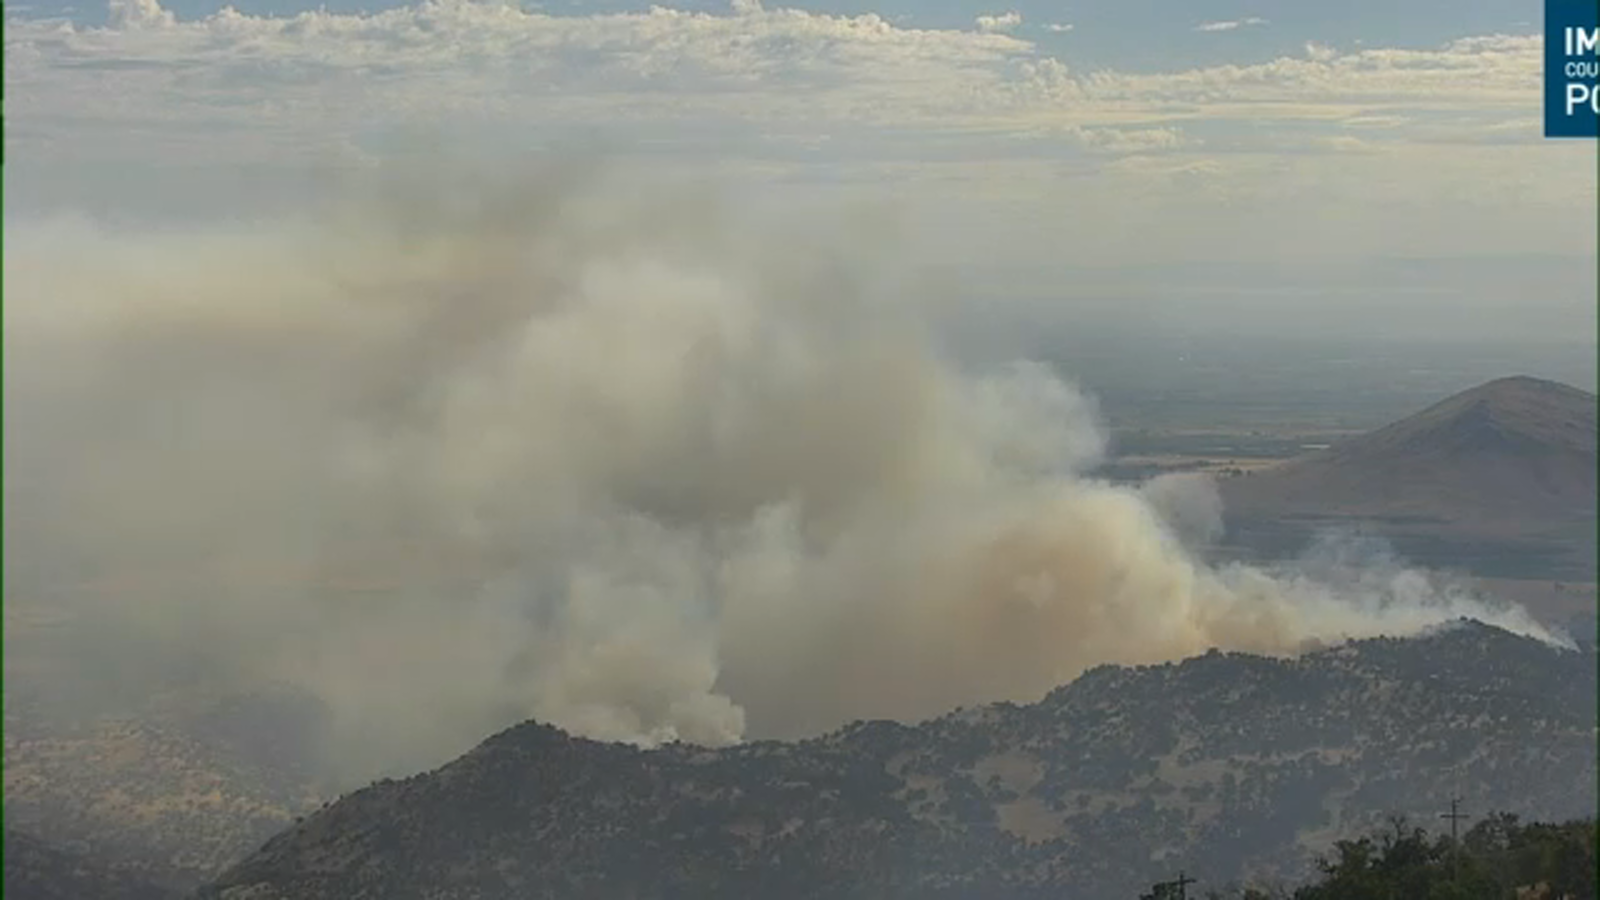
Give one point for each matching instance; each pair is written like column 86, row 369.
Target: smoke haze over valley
column 478, row 449
column 593, row 448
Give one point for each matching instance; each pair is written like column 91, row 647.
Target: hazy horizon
column 1355, row 171
column 700, row 337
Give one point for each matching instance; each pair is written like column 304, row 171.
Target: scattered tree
column 1499, row 858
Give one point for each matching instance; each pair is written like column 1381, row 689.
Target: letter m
column 1587, row 39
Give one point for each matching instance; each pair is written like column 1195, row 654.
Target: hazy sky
column 651, row 468
column 1007, row 141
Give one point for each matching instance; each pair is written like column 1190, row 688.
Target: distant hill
column 1502, row 474
column 35, row 870
column 1223, row 766
column 170, row 806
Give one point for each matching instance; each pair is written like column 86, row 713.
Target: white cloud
column 996, row 24
column 450, row 58
column 265, row 84
column 1348, row 144
column 1375, row 121
column 1231, row 25
column 1126, row 141
column 1490, row 74
column 1059, row 27
column 1113, row 141
column 953, row 111
column 126, row 14
column 1529, row 125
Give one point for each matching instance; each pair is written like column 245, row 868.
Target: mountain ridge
column 1230, row 764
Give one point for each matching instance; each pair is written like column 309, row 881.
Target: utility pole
column 1163, row 890
column 1455, row 815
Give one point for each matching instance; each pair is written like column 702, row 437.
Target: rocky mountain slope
column 1226, row 766
column 1499, row 475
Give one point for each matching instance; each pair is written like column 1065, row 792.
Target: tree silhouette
column 1497, row 858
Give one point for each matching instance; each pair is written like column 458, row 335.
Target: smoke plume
column 559, row 448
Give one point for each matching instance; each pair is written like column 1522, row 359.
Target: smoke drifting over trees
column 556, row 447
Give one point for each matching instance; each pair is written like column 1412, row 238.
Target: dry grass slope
column 1510, row 463
column 1226, row 765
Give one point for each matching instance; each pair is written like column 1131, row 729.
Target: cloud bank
column 315, row 82
column 468, row 451
column 170, row 114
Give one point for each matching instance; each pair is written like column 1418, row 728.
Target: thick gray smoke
column 567, row 450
